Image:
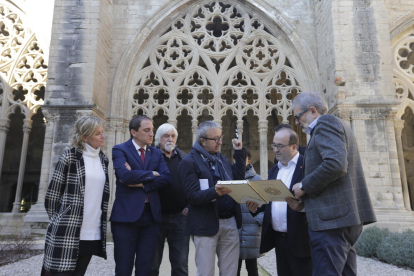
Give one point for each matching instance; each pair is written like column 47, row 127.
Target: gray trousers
column 225, row 244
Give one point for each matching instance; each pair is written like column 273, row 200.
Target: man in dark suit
column 284, row 226
column 336, row 197
column 140, row 171
column 213, row 216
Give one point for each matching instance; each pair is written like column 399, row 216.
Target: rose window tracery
column 404, row 68
column 216, row 58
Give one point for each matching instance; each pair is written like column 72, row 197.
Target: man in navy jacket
column 213, row 216
column 140, row 171
column 284, row 227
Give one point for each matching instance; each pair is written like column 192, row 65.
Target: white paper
column 204, row 184
column 248, row 198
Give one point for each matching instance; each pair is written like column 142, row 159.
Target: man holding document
column 213, row 216
column 284, row 226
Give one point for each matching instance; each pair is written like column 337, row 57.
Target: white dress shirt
column 138, row 147
column 279, row 208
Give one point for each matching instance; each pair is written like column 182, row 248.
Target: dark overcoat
column 336, row 192
column 64, row 202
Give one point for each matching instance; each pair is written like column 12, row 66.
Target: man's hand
column 156, row 173
column 128, row 167
column 237, row 144
column 221, row 190
column 252, row 206
column 185, row 211
column 294, row 204
column 136, row 185
column 299, row 193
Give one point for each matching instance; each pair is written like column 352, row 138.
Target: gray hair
column 85, row 126
column 307, row 99
column 204, row 127
column 164, row 128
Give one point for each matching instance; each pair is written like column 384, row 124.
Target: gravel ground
column 100, row 267
column 366, row 267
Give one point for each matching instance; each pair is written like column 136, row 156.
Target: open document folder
column 260, row 191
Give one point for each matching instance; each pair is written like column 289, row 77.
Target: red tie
column 143, row 162
column 142, row 155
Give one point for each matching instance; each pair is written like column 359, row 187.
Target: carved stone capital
column 194, row 126
column 50, row 115
column 4, row 125
column 117, row 124
column 27, row 125
column 398, row 126
column 364, row 112
column 240, row 125
column 263, row 126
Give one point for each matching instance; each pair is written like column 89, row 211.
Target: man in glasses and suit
column 213, row 216
column 333, row 188
column 284, row 225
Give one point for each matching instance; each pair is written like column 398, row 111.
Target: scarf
column 215, row 160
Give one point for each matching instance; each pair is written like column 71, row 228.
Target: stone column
column 37, row 212
column 4, row 128
column 399, row 125
column 263, row 127
column 194, row 126
column 173, row 122
column 240, row 129
column 115, row 135
column 27, row 127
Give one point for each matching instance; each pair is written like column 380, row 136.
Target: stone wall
column 128, row 18
column 397, row 9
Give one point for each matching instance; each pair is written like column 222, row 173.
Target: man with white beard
column 173, row 207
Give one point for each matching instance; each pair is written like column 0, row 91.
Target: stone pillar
column 194, row 127
column 240, row 129
column 399, row 125
column 4, row 128
column 27, row 127
column 115, row 135
column 37, row 212
column 173, row 122
column 263, row 127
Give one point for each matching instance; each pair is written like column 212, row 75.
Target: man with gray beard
column 173, row 207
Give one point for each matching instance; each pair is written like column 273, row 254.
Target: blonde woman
column 77, row 201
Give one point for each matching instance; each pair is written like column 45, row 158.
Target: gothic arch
column 234, row 58
column 132, row 61
column 403, row 69
column 23, row 74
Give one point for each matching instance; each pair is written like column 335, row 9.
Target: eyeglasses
column 217, row 139
column 297, row 117
column 278, row 146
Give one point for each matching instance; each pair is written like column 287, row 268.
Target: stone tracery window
column 214, row 58
column 404, row 87
column 23, row 74
column 219, row 62
column 22, row 65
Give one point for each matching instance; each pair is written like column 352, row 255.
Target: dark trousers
column 333, row 251
column 172, row 228
column 80, row 270
column 135, row 241
column 286, row 262
column 251, row 267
